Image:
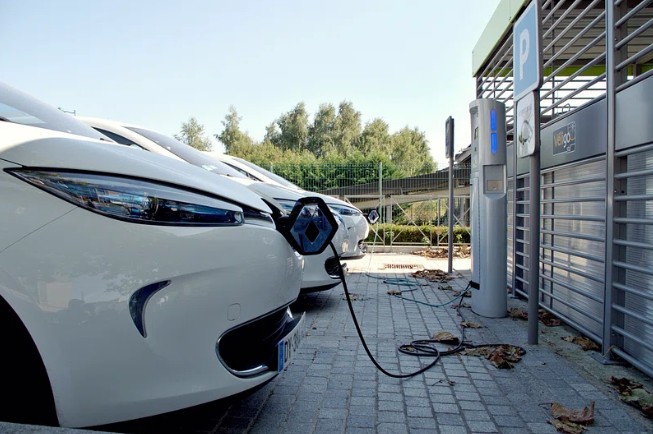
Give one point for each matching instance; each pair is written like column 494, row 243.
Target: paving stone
column 333, row 413
column 392, row 428
column 392, row 416
column 449, row 419
column 474, row 415
column 445, row 408
column 450, row 429
column 482, row 427
column 541, row 428
column 361, row 421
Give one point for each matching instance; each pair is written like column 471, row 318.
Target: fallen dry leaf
column 352, row 296
column 567, row 427
column 445, row 337
column 471, row 325
column 455, row 305
column 624, row 384
column 635, row 395
column 517, row 313
column 445, row 288
column 394, row 292
column 442, row 252
column 467, row 294
column 502, row 357
column 583, row 342
column 433, row 275
column 499, row 362
column 549, row 319
column 584, row 416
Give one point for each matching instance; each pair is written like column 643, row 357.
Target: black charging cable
column 418, row 348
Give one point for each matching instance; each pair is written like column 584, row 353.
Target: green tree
column 294, row 129
column 410, row 149
column 376, row 138
column 234, row 140
column 321, row 133
column 192, row 133
column 347, row 128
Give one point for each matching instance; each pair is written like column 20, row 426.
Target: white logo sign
column 526, row 126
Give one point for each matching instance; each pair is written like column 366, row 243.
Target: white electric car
column 320, row 271
column 357, row 225
column 132, row 284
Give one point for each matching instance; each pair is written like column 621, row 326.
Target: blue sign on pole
column 527, row 48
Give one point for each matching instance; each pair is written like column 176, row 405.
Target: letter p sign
column 524, row 43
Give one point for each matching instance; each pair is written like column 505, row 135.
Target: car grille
column 251, row 348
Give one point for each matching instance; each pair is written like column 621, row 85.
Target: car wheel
column 25, row 392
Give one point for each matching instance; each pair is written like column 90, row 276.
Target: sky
column 155, row 63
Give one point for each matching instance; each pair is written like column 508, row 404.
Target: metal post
column 534, row 236
column 381, row 198
column 613, row 79
column 380, row 191
column 271, row 167
column 451, row 211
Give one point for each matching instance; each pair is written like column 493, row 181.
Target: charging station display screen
column 493, row 142
column 493, row 120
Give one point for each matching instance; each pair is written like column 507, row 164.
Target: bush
column 411, row 234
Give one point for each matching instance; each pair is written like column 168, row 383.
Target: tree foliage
column 192, row 133
column 315, row 149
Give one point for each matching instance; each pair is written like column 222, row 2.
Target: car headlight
column 136, row 200
column 343, row 210
column 288, row 205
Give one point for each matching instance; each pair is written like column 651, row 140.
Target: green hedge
column 411, row 234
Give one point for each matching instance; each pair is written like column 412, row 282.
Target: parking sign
column 527, row 46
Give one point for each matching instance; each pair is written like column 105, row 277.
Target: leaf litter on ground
column 548, row 319
column 446, row 338
column 471, row 325
column 571, row 421
column 501, row 356
column 585, row 343
column 518, row 313
column 634, row 394
column 433, row 275
column 442, row 252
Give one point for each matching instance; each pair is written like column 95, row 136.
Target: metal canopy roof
column 573, row 36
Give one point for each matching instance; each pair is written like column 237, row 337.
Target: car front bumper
column 71, row 283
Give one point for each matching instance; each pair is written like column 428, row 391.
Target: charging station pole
column 527, row 73
column 449, row 128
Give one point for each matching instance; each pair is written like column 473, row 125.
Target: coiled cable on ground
column 420, row 347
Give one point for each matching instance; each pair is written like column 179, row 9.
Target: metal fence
column 596, row 210
column 414, row 206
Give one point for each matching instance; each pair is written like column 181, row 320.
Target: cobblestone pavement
column 332, row 387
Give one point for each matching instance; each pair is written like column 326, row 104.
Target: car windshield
column 187, row 153
column 267, row 173
column 20, row 108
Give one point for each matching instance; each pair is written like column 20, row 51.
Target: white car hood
column 42, row 148
column 277, row 191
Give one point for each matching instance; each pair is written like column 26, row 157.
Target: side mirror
column 373, row 216
column 310, row 227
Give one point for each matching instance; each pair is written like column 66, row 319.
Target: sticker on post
column 526, row 140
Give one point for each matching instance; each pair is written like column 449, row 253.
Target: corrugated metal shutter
column 573, row 243
column 633, row 305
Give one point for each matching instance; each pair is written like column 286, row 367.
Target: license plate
column 288, row 347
